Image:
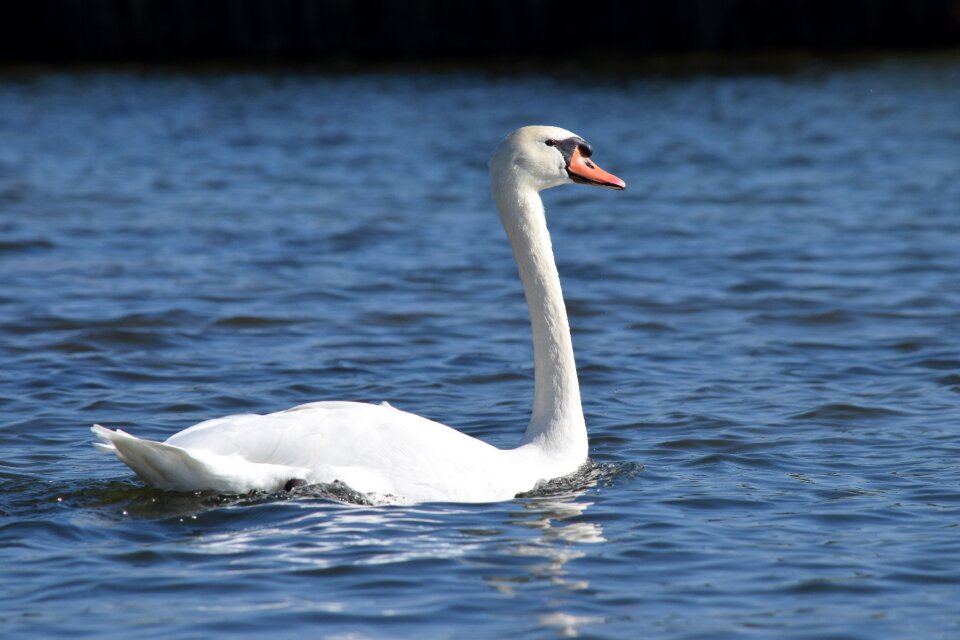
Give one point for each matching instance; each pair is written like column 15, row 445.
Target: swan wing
column 374, row 449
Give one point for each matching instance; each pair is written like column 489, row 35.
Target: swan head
column 543, row 157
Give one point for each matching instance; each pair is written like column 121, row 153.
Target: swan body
column 392, row 455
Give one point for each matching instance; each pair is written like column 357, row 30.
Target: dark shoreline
column 342, row 32
column 780, row 62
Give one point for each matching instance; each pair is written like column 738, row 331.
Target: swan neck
column 556, row 423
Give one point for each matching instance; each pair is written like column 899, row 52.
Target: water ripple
column 765, row 326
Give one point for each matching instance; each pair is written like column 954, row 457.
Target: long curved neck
column 556, row 424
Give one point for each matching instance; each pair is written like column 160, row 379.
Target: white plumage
column 396, row 456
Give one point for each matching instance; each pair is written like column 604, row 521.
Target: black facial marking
column 569, row 145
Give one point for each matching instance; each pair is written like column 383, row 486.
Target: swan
column 399, row 457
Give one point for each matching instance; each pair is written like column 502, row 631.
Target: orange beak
column 584, row 171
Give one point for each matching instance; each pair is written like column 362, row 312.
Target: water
column 766, row 324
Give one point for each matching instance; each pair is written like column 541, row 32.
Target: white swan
column 396, row 456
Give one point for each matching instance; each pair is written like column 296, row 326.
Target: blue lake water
column 767, row 329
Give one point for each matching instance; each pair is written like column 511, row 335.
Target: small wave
column 252, row 322
column 32, row 244
column 940, row 364
column 756, row 285
column 587, row 476
column 840, row 411
column 122, row 323
column 125, row 498
column 853, row 584
column 127, row 338
column 700, row 443
column 339, row 492
column 489, row 378
column 952, row 380
column 389, row 319
column 830, row 317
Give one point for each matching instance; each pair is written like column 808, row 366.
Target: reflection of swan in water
column 381, row 451
column 549, row 515
column 519, row 548
column 558, row 544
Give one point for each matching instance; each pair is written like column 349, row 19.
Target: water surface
column 766, row 325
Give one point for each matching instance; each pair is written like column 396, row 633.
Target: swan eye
column 551, row 142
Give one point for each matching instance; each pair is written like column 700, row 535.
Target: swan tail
column 167, row 466
column 160, row 465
